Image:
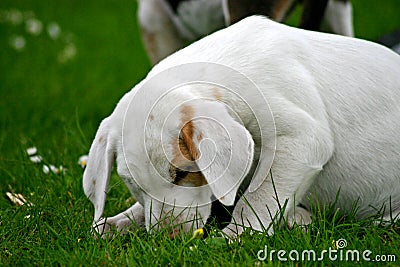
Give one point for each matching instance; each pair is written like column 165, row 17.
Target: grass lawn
column 56, row 87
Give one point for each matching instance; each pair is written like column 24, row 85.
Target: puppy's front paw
column 107, row 228
column 233, row 231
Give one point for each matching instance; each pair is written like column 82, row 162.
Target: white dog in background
column 168, row 25
column 335, row 105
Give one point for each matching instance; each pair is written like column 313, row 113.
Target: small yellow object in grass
column 198, row 234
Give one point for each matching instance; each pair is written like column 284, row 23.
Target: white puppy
column 324, row 118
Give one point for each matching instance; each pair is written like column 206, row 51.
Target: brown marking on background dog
column 151, row 117
column 281, row 9
column 100, row 139
column 150, row 43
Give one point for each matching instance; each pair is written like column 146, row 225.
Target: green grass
column 57, row 106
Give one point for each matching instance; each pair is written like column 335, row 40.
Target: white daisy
column 83, row 160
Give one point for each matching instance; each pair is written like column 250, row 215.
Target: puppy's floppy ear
column 98, row 169
column 224, row 146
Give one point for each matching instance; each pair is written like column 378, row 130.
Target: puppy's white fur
column 335, row 102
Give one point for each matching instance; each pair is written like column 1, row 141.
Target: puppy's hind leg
column 300, row 217
column 391, row 216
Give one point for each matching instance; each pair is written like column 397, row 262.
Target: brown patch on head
column 185, row 153
column 183, row 148
column 187, row 146
column 181, row 153
column 199, row 137
column 196, row 178
column 187, row 114
column 183, row 178
column 216, row 94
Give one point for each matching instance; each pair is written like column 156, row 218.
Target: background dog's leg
column 339, row 17
column 159, row 35
column 313, row 12
column 236, row 10
column 239, row 9
column 134, row 216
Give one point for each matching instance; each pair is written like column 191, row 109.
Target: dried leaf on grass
column 17, row 199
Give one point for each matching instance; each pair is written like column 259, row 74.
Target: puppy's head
column 188, row 152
